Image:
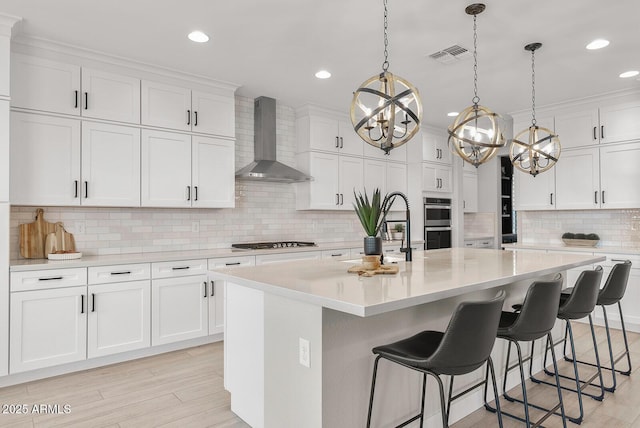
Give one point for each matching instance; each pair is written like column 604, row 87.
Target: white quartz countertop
column 17, row 265
column 433, row 275
column 581, row 249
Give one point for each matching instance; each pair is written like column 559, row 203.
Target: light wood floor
column 185, row 389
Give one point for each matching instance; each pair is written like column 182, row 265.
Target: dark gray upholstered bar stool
column 579, row 304
column 462, row 348
column 611, row 294
column 535, row 320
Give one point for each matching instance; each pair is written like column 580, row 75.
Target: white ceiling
column 274, row 47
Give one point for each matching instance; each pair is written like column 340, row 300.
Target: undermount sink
column 387, row 260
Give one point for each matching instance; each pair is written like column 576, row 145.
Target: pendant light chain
column 385, row 64
column 476, row 98
column 533, row 88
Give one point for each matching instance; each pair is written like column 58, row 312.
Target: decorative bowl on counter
column 580, row 242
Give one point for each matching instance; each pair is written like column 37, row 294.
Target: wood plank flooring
column 185, row 389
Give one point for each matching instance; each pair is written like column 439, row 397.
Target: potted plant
column 371, row 213
column 398, row 231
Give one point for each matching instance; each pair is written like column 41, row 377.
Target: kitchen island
column 298, row 336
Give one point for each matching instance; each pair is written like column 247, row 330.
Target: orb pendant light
column 476, row 133
column 386, row 109
column 535, row 149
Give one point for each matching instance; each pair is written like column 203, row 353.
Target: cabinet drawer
column 336, row 254
column 119, row 273
column 232, row 261
column 179, row 268
column 51, row 278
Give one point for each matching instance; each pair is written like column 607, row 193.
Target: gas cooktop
column 274, row 244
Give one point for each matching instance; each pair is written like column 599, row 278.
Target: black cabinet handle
column 51, row 278
column 124, row 272
column 76, row 98
column 551, row 198
column 93, row 302
column 213, row 290
column 195, row 188
column 337, row 142
column 341, row 142
column 341, row 199
column 86, row 100
column 195, row 118
column 603, row 197
column 595, row 137
column 337, row 199
column 86, row 189
column 82, row 303
column 76, row 188
column 205, row 289
column 188, row 193
column 188, row 117
column 180, row 268
column 232, row 264
column 602, row 132
column 595, row 197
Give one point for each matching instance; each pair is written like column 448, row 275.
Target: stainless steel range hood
column 265, row 167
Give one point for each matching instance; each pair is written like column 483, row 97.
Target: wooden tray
column 382, row 270
column 33, row 236
column 580, row 242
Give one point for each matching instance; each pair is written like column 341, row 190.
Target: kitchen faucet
column 391, row 197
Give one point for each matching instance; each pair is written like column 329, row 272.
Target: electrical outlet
column 195, row 226
column 81, row 227
column 303, row 351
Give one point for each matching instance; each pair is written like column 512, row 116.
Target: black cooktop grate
column 274, row 244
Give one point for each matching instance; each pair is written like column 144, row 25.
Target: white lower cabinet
column 119, row 317
column 47, row 327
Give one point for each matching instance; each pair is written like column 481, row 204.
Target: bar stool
column 579, row 304
column 463, row 347
column 612, row 293
column 535, row 320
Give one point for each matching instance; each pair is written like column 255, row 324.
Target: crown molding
column 6, row 24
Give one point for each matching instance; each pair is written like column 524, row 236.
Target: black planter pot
column 372, row 245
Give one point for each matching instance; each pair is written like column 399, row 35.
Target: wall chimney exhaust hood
column 265, row 167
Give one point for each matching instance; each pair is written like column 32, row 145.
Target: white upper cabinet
column 470, row 192
column 398, row 154
column 619, row 175
column 175, row 107
column 577, row 128
column 110, row 96
column 327, row 133
column 351, row 178
column 620, row 122
column 323, row 192
column 110, row 165
column 396, row 177
column 437, row 178
column 578, row 179
column 535, row 193
column 40, row 84
column 45, row 154
column 435, row 148
column 213, row 172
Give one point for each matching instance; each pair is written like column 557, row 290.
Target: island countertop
column 431, row 276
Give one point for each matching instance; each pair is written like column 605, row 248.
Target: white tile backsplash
column 264, row 211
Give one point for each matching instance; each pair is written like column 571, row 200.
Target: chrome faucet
column 391, row 197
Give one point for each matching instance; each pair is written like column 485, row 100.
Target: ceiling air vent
column 451, row 54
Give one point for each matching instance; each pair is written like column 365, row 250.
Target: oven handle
column 436, row 229
column 438, row 207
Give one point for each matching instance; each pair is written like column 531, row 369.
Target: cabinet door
column 213, row 173
column 445, row 174
column 435, row 148
column 351, row 178
column 574, row 192
column 166, row 169
column 45, row 153
column 375, row 176
column 577, row 128
column 41, row 84
column 323, row 189
column 534, row 193
column 350, row 142
column 5, row 150
column 470, row 192
column 110, row 96
column 213, row 114
column 429, row 178
column 110, row 165
column 179, row 309
column 48, row 327
column 166, row 106
column 119, row 317
column 619, row 175
column 324, row 134
column 620, row 122
column 396, row 180
column 216, row 306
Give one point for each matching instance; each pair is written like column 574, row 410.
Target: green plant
column 371, row 212
column 399, row 227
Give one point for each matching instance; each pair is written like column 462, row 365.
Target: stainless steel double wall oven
column 437, row 223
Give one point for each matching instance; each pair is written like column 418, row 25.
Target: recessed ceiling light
column 631, row 73
column 198, row 37
column 598, row 44
column 323, row 74
column 452, row 114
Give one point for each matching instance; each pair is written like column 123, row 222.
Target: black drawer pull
column 188, row 117
column 51, row 278
column 195, row 123
column 76, row 104
column 204, row 284
column 337, row 255
column 232, row 264
column 180, row 268
column 86, row 101
column 124, row 272
column 82, row 303
column 76, row 188
column 213, row 290
column 93, row 302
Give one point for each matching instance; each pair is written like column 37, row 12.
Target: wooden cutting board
column 382, row 270
column 60, row 240
column 33, row 236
